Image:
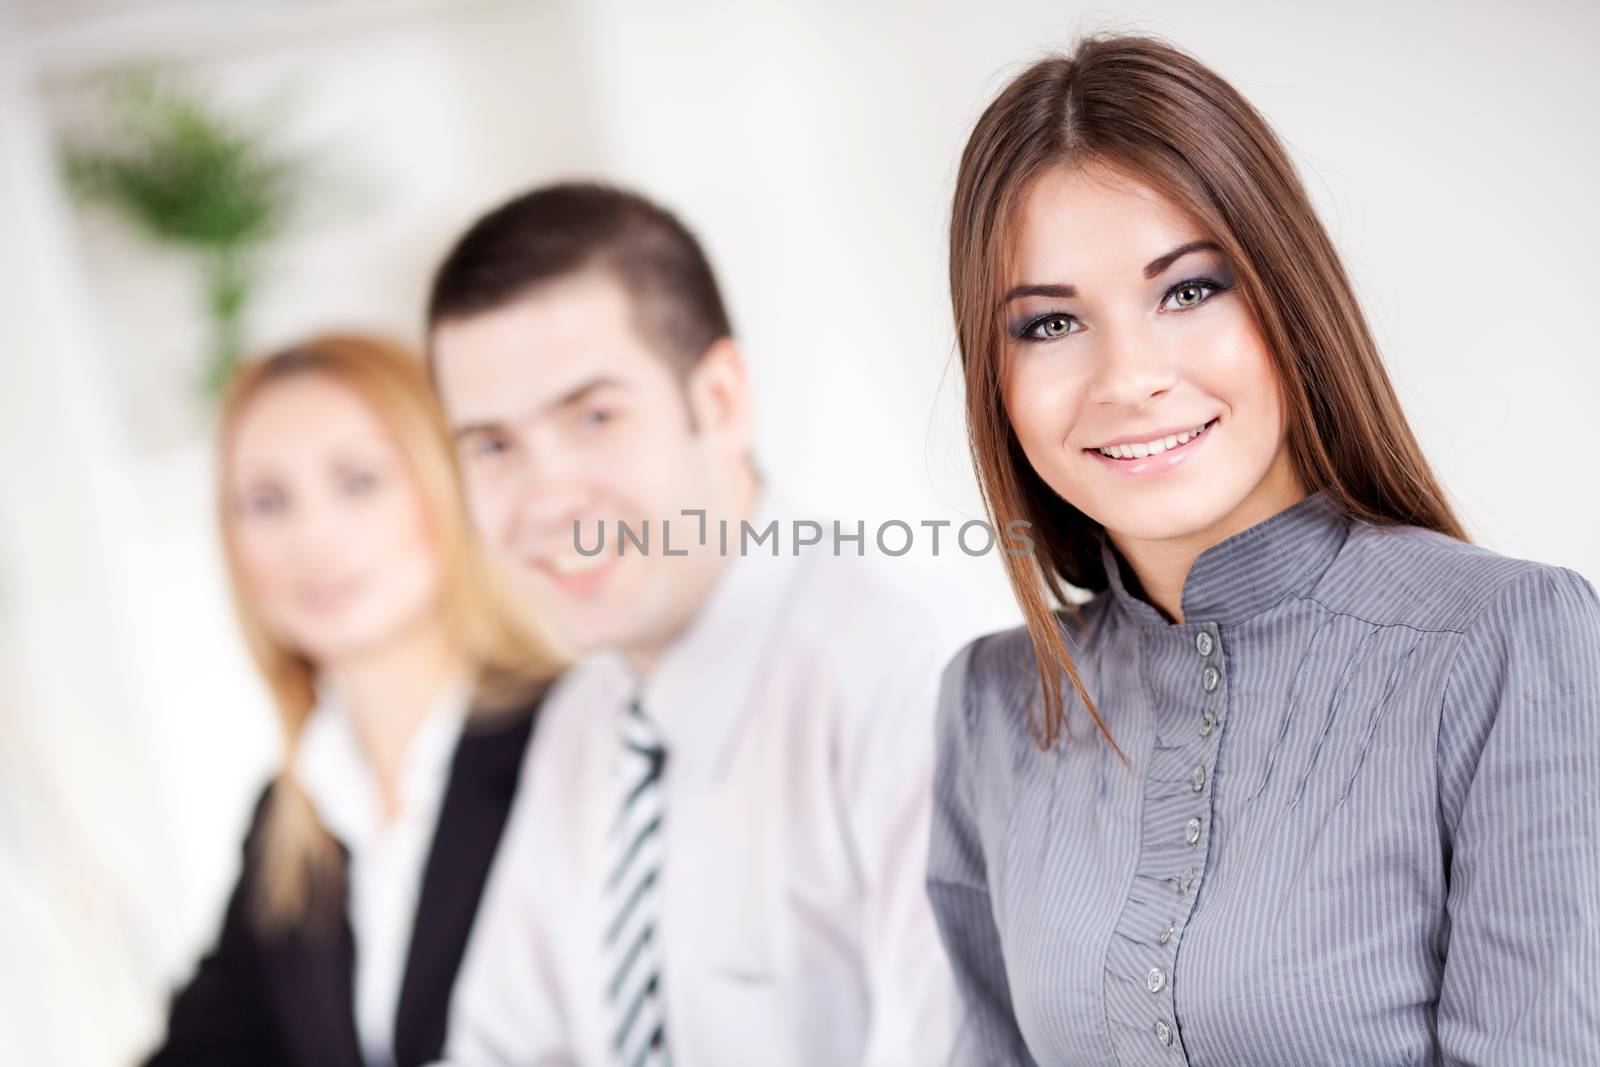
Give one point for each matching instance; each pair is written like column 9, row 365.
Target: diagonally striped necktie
column 632, row 898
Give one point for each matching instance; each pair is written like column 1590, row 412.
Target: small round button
column 1191, row 832
column 1208, row 722
column 1156, row 980
column 1203, row 642
column 1198, row 779
column 1163, row 1033
column 1166, row 935
column 1209, row 678
column 1186, row 879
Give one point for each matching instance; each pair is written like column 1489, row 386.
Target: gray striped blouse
column 1360, row 822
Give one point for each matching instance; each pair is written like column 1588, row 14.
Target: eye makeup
column 1055, row 324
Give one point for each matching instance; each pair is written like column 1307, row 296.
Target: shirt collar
column 701, row 685
column 1250, row 571
column 336, row 774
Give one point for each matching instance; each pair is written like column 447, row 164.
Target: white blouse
column 387, row 856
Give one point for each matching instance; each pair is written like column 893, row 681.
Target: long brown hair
column 511, row 652
column 1150, row 111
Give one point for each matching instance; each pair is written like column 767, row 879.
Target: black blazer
column 288, row 1001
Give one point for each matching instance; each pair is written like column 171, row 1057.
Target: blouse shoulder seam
column 1540, row 571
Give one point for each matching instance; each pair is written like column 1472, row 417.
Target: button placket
column 1158, row 975
column 1210, row 681
column 1210, row 678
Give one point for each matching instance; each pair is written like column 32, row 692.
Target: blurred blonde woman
column 407, row 687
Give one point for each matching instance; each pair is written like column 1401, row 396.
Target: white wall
column 815, row 144
column 814, row 147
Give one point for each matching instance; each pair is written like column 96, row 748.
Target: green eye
column 1191, row 293
column 1054, row 326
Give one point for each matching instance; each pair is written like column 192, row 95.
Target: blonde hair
column 511, row 651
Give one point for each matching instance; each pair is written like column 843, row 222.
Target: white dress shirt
column 387, row 855
column 797, row 714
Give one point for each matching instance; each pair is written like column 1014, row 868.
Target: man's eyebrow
column 584, row 388
column 469, row 429
column 572, row 396
column 1151, row 269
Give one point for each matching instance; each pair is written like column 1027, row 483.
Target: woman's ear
column 719, row 396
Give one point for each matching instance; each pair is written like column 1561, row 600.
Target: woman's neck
column 1162, row 566
column 389, row 690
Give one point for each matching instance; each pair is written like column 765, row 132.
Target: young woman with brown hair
column 406, row 684
column 1309, row 778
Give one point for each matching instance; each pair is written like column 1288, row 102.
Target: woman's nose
column 1134, row 369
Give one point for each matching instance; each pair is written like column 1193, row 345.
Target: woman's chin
column 1173, row 516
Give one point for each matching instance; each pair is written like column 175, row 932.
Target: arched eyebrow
column 1151, row 269
column 1060, row 292
column 1162, row 262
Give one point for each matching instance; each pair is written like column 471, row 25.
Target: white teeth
column 1151, row 448
column 565, row 565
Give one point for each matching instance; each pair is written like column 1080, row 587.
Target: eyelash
column 1026, row 332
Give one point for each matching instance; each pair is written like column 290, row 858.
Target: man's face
column 563, row 414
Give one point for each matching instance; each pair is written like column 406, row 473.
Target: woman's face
column 1126, row 336
column 329, row 527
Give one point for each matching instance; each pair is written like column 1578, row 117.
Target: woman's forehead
column 1081, row 223
column 303, row 416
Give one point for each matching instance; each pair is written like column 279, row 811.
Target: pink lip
column 1159, row 464
column 328, row 599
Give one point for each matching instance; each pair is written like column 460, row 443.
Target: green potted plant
column 191, row 176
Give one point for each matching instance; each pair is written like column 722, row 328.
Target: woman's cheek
column 1237, row 369
column 1042, row 407
column 265, row 582
column 412, row 543
column 1233, row 357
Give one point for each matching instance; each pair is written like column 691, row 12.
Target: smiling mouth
column 565, row 566
column 1154, row 447
column 329, row 597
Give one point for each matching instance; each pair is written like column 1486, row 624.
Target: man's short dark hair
column 562, row 230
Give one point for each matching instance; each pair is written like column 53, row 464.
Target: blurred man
column 718, row 855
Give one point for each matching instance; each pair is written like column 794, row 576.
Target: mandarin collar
column 1249, row 572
